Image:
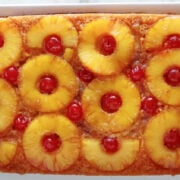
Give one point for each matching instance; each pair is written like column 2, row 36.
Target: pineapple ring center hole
column 1, row 40
column 111, row 102
column 172, row 139
column 47, row 84
column 51, row 142
column 53, row 44
column 172, row 41
column 105, row 44
column 172, row 76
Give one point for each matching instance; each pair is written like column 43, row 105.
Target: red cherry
column 11, row 74
column 172, row 41
column 1, row 41
column 136, row 73
column 106, row 44
column 21, row 121
column 172, row 76
column 53, row 45
column 47, row 84
column 110, row 144
column 172, row 139
column 110, row 102
column 74, row 111
column 150, row 105
column 85, row 75
column 51, row 142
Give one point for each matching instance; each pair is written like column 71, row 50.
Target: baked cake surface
column 93, row 94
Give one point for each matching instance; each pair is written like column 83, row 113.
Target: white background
column 77, row 1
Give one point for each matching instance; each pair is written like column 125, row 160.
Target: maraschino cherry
column 111, row 102
column 106, row 44
column 110, row 144
column 172, row 76
column 85, row 75
column 74, row 111
column 11, row 74
column 1, row 41
column 47, row 84
column 172, row 41
column 136, row 73
column 53, row 44
column 21, row 121
column 150, row 105
column 172, row 139
column 51, row 142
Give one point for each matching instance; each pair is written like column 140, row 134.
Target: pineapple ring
column 92, row 59
column 8, row 105
column 111, row 122
column 52, row 25
column 12, row 48
column 124, row 157
column 156, row 83
column 160, row 30
column 8, row 151
column 63, row 157
column 154, row 135
column 29, row 75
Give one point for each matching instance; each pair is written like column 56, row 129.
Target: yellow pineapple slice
column 103, row 121
column 11, row 43
column 41, row 65
column 160, row 30
column 155, row 76
column 8, row 151
column 63, row 157
column 97, row 62
column 68, row 54
column 52, row 25
column 125, row 156
column 154, row 138
column 8, row 105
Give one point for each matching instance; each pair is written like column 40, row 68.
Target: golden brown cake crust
column 143, row 165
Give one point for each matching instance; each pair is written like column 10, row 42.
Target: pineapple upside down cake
column 93, row 94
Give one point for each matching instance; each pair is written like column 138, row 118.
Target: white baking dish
column 10, row 10
column 13, row 10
